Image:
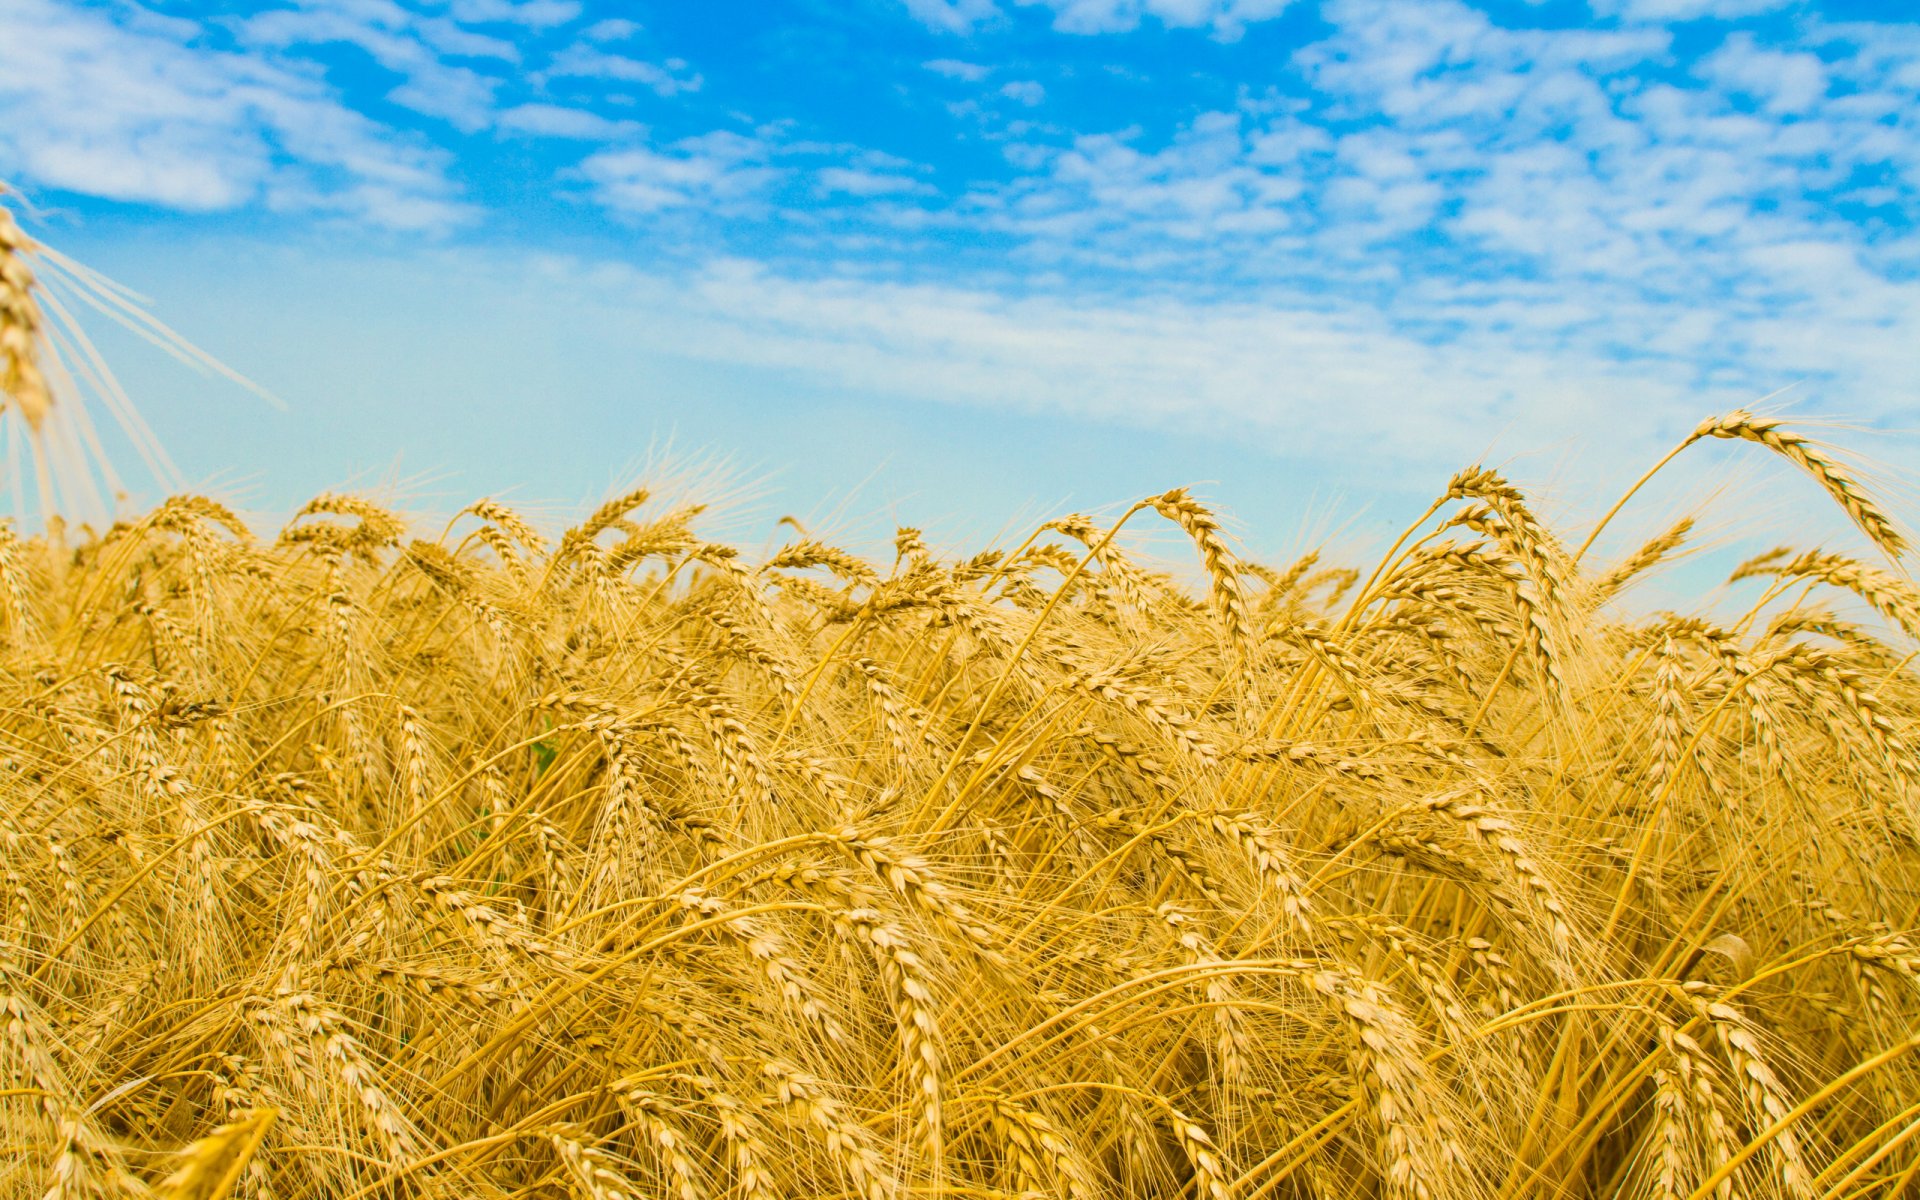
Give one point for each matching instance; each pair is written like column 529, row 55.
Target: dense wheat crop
column 472, row 862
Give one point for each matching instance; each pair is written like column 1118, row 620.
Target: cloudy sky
column 973, row 260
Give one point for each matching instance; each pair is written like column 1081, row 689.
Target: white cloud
column 719, row 172
column 129, row 111
column 952, row 16
column 1024, row 91
column 851, row 181
column 1333, row 376
column 955, row 69
column 1781, row 82
column 1225, row 19
column 614, row 29
column 1665, row 11
column 536, row 14
column 416, row 49
column 586, row 62
column 1553, row 193
column 559, row 121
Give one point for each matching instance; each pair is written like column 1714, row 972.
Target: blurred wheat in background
column 359, row 860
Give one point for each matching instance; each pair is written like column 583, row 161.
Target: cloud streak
column 130, row 112
column 1679, row 203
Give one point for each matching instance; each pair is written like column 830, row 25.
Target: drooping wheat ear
column 1336, row 656
column 751, row 646
column 512, row 523
column 769, row 953
column 1809, row 457
column 744, row 768
column 31, row 1036
column 1671, row 1150
column 1846, row 688
column 1058, row 810
column 507, row 935
column 326, row 1030
column 422, row 980
column 1504, row 994
column 613, row 843
column 1893, row 598
column 649, row 1111
column 1447, row 575
column 1261, row 847
column 1233, row 1045
column 1182, row 861
column 1129, row 584
column 213, row 1165
column 451, row 575
column 306, row 840
column 1535, row 591
column 1709, row 1105
column 744, row 1133
column 668, row 535
column 1416, row 1140
column 1043, row 1161
column 1767, row 1100
column 1121, row 684
column 909, row 728
column 912, row 878
column 809, row 553
column 507, row 551
column 1210, row 1179
column 21, row 327
column 1642, row 560
column 589, row 1167
column 1416, row 955
column 1308, row 754
column 1223, row 568
column 1689, row 1117
column 1726, row 648
column 556, row 858
column 849, row 1142
column 1501, row 835
column 377, row 527
column 71, row 889
column 1531, row 542
column 905, row 975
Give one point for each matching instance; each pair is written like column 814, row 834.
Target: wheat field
column 359, row 860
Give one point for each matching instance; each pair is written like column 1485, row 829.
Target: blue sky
column 966, row 261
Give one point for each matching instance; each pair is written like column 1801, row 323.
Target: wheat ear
column 1808, row 456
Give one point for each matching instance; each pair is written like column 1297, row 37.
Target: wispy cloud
column 536, row 14
column 1342, row 382
column 953, row 68
column 1555, row 192
column 1678, row 200
column 132, row 110
column 420, row 50
column 861, row 182
column 952, row 16
column 668, row 78
column 560, row 121
column 1225, row 19
column 1024, row 91
column 720, row 172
